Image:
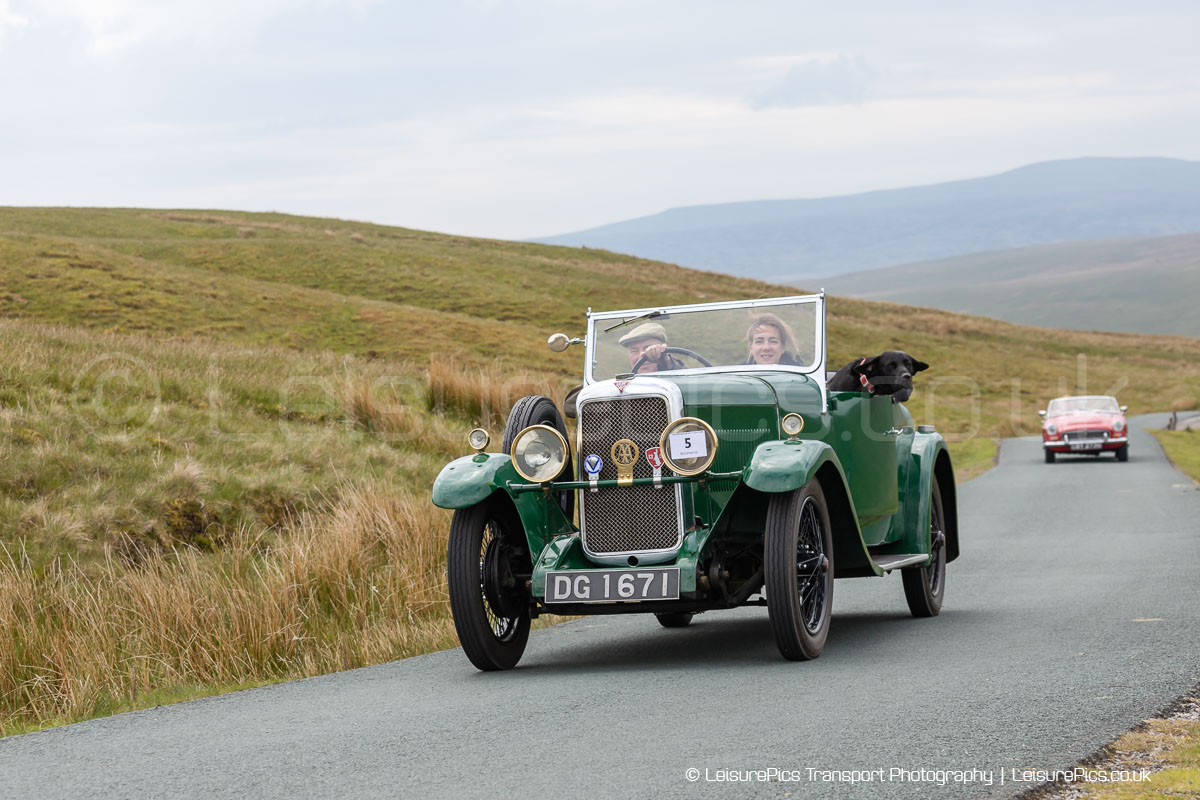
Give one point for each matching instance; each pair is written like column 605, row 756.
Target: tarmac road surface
column 1070, row 617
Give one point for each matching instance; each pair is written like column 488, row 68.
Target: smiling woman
column 771, row 342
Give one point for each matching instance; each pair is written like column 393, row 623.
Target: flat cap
column 647, row 330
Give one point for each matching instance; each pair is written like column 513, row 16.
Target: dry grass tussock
column 486, row 394
column 359, row 582
column 1185, row 404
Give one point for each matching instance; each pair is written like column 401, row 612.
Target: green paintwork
column 909, row 531
column 465, row 481
column 471, row 479
column 784, row 466
column 868, row 455
column 734, row 391
column 864, row 449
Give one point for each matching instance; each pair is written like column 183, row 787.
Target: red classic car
column 1086, row 425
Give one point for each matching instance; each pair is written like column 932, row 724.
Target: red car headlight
column 1051, row 431
column 1119, row 426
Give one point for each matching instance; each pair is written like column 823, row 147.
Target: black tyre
column 798, row 551
column 675, row 619
column 1049, row 456
column 924, row 587
column 1123, row 453
column 487, row 564
column 536, row 409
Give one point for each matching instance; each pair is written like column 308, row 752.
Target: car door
column 865, row 430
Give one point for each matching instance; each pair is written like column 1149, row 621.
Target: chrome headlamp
column 1119, row 426
column 478, row 439
column 689, row 446
column 792, row 425
column 539, row 453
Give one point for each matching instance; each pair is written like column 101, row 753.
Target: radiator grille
column 627, row 518
column 1085, row 436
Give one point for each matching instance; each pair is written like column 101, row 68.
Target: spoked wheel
column 799, row 571
column 487, row 566
column 924, row 587
column 674, row 619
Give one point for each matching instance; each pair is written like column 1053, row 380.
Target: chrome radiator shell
column 642, row 522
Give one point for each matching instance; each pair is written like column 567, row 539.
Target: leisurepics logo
column 926, row 775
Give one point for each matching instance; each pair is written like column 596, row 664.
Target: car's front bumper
column 1112, row 443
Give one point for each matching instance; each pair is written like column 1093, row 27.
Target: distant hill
column 1147, row 285
column 797, row 240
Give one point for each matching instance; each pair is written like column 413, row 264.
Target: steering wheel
column 641, row 362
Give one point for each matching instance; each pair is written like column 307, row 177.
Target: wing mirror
column 1041, row 413
column 1123, row 409
column 559, row 342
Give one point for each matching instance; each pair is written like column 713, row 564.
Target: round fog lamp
column 793, row 424
column 689, row 446
column 539, row 453
column 478, row 439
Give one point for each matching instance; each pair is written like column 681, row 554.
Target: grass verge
column 1183, row 448
column 1158, row 759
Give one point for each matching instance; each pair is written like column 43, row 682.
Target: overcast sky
column 524, row 118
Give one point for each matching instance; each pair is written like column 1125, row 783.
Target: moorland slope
column 218, row 429
column 1140, row 285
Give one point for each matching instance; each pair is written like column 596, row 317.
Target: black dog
column 889, row 372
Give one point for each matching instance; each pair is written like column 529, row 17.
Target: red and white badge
column 621, row 386
column 654, row 457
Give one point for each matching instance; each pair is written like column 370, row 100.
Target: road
column 1070, row 616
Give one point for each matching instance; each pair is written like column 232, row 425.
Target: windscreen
column 765, row 336
column 1082, row 405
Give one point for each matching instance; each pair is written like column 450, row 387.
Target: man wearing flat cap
column 650, row 340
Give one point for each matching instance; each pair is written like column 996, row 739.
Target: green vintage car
column 712, row 471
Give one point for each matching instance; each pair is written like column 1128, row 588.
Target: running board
column 889, row 563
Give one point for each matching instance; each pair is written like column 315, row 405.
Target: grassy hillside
column 319, row 283
column 218, row 430
column 1140, row 285
column 171, row 522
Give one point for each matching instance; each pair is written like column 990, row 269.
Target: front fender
column 465, row 481
column 783, row 466
column 472, row 479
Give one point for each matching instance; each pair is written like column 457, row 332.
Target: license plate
column 1086, row 445
column 612, row 585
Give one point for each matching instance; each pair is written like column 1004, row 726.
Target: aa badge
column 624, row 455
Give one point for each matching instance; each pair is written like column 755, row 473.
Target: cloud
column 116, row 25
column 9, row 18
column 840, row 80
